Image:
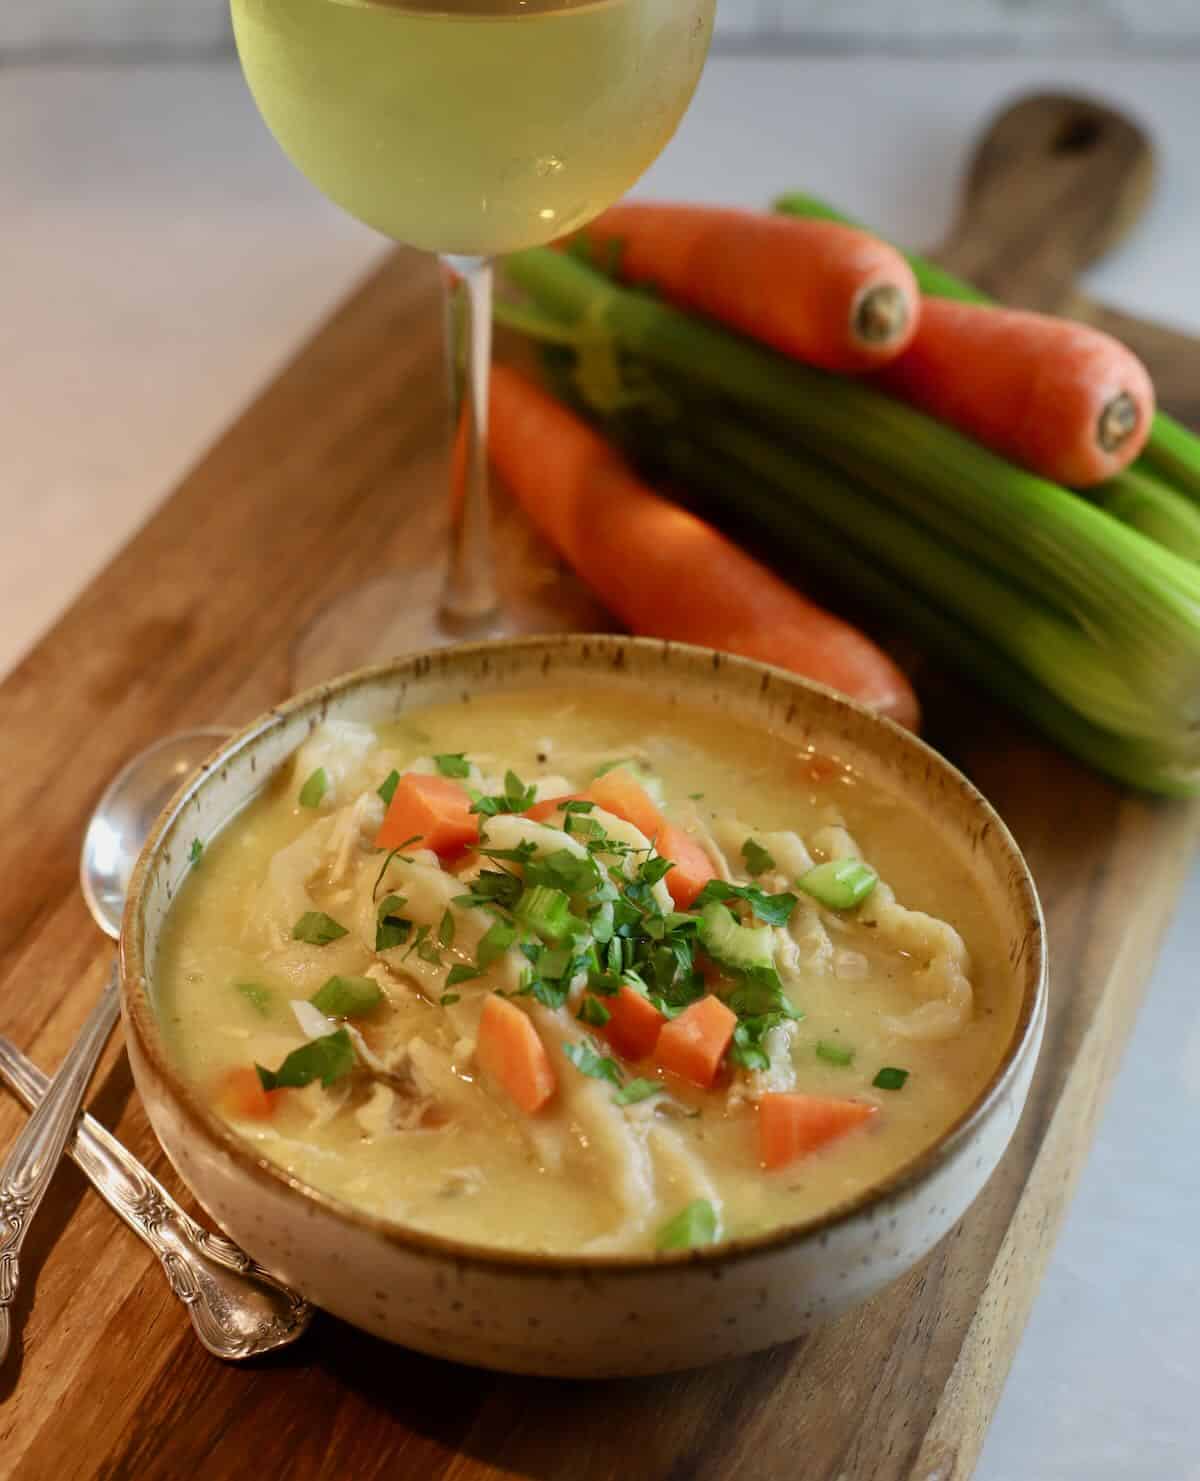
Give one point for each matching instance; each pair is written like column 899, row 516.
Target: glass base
column 400, row 613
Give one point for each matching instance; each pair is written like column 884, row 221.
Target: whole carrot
column 661, row 570
column 822, row 292
column 1066, row 401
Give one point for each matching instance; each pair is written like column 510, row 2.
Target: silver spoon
column 237, row 1308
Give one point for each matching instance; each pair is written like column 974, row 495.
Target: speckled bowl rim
column 141, row 1019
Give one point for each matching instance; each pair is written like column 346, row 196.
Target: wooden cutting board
column 333, row 476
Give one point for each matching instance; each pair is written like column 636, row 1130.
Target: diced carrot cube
column 693, row 868
column 693, row 1045
column 791, row 1125
column 430, row 812
column 634, row 1023
column 618, row 793
column 241, row 1094
column 510, row 1051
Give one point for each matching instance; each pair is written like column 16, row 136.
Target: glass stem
column 469, row 596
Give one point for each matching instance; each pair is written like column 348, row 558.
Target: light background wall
column 72, row 27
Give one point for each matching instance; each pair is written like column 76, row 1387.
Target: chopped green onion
column 327, row 1059
column 638, row 1090
column 387, row 789
column 697, row 1224
column 317, row 928
column 258, row 996
column 841, row 884
column 890, row 1078
column 545, row 911
column 453, row 764
column 347, row 997
column 834, row 1053
column 758, row 860
column 314, row 788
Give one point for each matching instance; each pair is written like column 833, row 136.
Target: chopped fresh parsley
column 773, row 910
column 759, row 992
column 258, row 996
column 637, row 1090
column 758, row 860
column 396, row 853
column 387, row 788
column 696, row 1225
column 446, row 929
column 592, row 1011
column 448, row 999
column 391, row 928
column 195, row 852
column 317, row 928
column 314, row 788
column 453, row 763
column 462, row 972
column 424, row 947
column 516, row 797
column 890, row 1078
column 834, row 1053
column 347, row 997
column 563, row 870
column 585, row 1059
column 492, row 887
column 328, row 1059
column 495, row 942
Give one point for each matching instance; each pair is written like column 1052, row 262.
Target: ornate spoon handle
column 238, row 1309
column 36, row 1153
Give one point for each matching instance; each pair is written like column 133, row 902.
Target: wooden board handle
column 1055, row 182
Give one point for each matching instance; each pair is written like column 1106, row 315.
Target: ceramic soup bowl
column 602, row 1315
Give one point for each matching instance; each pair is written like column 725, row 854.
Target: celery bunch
column 1087, row 626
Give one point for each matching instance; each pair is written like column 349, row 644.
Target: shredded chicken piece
column 691, row 819
column 353, row 826
column 616, row 1147
column 461, row 1180
column 375, row 1115
column 680, row 1176
column 942, row 978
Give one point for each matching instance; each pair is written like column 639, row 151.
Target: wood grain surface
column 333, row 477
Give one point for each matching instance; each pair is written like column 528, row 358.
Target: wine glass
column 468, row 128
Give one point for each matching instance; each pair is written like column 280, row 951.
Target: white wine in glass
column 469, row 128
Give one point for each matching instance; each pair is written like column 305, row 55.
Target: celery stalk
column 746, row 507
column 1141, row 601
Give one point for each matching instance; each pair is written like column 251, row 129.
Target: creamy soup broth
column 417, row 1131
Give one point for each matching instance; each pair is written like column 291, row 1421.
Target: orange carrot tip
column 1064, row 400
column 826, row 293
column 664, row 572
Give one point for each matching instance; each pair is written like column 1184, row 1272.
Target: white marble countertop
column 159, row 260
